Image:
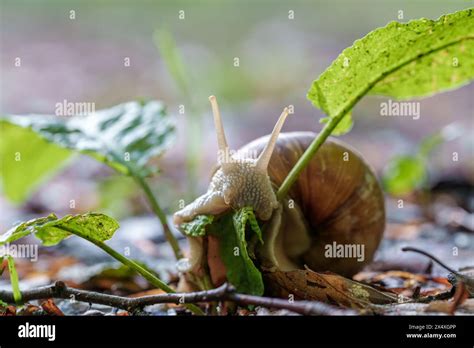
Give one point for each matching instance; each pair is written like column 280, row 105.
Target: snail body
column 336, row 201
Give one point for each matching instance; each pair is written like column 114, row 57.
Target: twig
column 300, row 307
column 439, row 262
column 222, row 293
column 467, row 280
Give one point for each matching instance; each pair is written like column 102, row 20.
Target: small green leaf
column 404, row 174
column 124, row 137
column 51, row 230
column 91, row 226
column 343, row 127
column 244, row 215
column 24, row 229
column 197, row 227
column 414, row 59
column 27, row 160
column 241, row 271
column 14, row 279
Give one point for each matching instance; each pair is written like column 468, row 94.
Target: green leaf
column 27, row 160
column 241, row 271
column 125, row 136
column 244, row 216
column 407, row 60
column 197, row 227
column 14, row 279
column 404, row 174
column 91, row 226
column 51, row 230
column 24, row 229
column 343, row 127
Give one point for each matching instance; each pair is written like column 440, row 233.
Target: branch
column 222, row 293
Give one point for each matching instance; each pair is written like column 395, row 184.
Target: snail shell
column 338, row 198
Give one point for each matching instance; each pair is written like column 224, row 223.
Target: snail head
column 239, row 181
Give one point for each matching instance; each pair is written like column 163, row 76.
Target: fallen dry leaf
column 50, row 307
column 461, row 295
column 8, row 311
column 29, row 309
column 325, row 287
column 400, row 274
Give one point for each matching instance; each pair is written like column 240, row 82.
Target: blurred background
column 280, row 48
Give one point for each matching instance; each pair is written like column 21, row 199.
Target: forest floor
column 443, row 227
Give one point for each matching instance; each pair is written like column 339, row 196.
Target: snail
column 336, row 200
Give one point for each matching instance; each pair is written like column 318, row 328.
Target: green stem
column 308, row 155
column 142, row 271
column 13, row 279
column 161, row 216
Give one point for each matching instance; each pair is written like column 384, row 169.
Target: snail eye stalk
column 221, row 140
column 264, row 158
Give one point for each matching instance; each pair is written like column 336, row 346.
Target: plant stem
column 142, row 271
column 14, row 279
column 161, row 216
column 308, row 155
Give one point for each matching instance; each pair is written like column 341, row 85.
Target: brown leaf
column 29, row 309
column 50, row 307
column 400, row 274
column 8, row 311
column 461, row 295
column 325, row 287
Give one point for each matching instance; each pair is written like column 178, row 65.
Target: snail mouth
column 210, row 203
column 286, row 239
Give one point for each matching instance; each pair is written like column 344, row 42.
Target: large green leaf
column 26, row 161
column 413, row 59
column 125, row 136
column 51, row 230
